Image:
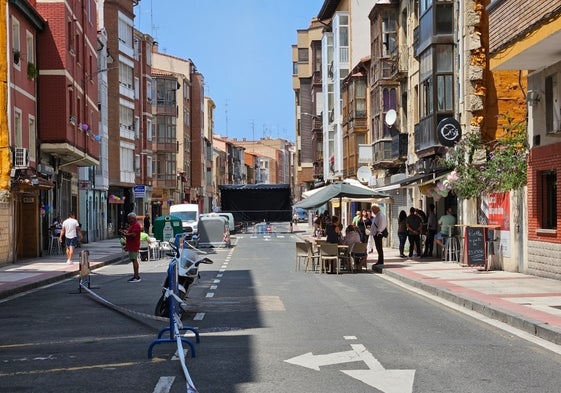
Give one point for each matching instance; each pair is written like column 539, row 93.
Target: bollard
column 84, row 276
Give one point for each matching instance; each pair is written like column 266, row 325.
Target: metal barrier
column 175, row 324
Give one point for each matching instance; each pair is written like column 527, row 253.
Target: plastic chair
column 329, row 252
column 301, row 253
column 313, row 257
column 358, row 251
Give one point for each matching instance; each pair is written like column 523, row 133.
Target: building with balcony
column 344, row 43
column 306, row 83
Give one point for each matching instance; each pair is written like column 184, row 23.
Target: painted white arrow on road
column 387, row 381
column 357, row 354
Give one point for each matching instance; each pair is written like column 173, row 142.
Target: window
column 389, row 33
column 137, row 127
column 16, row 44
column 444, row 18
column 18, row 137
column 32, row 132
column 125, row 33
column 303, row 55
column 149, row 129
column 127, row 162
column 149, row 166
column 552, row 108
column 549, row 200
column 165, row 129
column 149, row 91
column 126, row 118
column 148, row 54
column 125, row 75
column 136, row 88
column 137, row 164
column 30, row 47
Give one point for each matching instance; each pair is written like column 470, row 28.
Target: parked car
column 302, row 214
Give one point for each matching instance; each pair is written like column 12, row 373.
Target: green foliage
column 485, row 167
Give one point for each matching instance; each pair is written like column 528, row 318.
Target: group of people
column 368, row 226
column 412, row 226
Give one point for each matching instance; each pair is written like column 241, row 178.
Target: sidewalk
column 529, row 303
column 33, row 273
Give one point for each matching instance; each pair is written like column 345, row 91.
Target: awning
column 415, row 180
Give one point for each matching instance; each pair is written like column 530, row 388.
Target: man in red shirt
column 132, row 244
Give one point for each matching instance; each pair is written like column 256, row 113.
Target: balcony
column 425, row 132
column 382, row 152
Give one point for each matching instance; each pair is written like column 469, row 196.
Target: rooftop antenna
column 152, row 26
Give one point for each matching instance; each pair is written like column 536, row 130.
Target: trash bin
column 166, row 227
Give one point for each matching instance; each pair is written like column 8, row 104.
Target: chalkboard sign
column 475, row 245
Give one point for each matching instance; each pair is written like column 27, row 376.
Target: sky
column 243, row 48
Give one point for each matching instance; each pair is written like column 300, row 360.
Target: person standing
column 446, row 223
column 356, row 218
column 147, row 223
column 132, row 244
column 414, row 229
column 402, row 232
column 72, row 233
column 364, row 223
column 379, row 225
column 432, row 228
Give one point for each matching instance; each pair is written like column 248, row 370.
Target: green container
column 166, row 227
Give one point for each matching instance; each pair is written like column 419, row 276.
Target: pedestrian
column 147, row 223
column 363, row 226
column 402, row 232
column 72, row 233
column 446, row 223
column 432, row 228
column 333, row 231
column 379, row 228
column 356, row 218
column 414, row 229
column 132, row 244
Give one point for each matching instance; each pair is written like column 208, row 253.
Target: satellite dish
column 363, row 174
column 391, row 117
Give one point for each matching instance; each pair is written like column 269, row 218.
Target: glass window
column 444, row 18
column 30, row 47
column 303, row 55
column 549, row 200
column 389, row 33
column 445, row 90
column 444, row 58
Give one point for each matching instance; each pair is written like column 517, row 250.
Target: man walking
column 132, row 244
column 432, row 228
column 71, row 231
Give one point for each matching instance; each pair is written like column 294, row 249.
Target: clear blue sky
column 243, row 49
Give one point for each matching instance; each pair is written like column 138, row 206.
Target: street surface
column 264, row 327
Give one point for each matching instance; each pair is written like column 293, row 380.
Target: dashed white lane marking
column 210, row 294
column 216, row 281
column 164, row 385
column 213, row 287
column 219, row 275
column 349, row 337
column 199, row 316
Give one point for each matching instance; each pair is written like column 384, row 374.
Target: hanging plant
column 32, row 71
column 482, row 167
column 17, row 56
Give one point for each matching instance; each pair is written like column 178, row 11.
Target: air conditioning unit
column 21, row 158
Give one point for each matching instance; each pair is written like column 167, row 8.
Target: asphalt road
column 264, row 328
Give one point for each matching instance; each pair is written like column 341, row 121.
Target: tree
column 495, row 166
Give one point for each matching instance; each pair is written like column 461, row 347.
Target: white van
column 189, row 214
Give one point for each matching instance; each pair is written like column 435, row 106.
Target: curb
column 534, row 327
column 57, row 277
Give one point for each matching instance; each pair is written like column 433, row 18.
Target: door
column 27, row 230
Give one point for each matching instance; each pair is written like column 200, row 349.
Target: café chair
column 301, row 254
column 357, row 252
column 329, row 253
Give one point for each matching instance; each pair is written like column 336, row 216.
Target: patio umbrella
column 339, row 189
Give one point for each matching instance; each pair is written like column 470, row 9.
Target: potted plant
column 32, row 71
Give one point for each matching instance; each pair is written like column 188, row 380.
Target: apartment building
column 306, row 83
